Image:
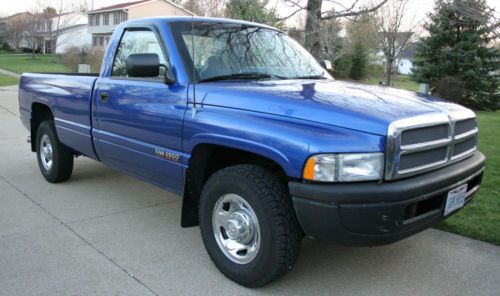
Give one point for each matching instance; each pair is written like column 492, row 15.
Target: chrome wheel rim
column 236, row 228
column 46, row 153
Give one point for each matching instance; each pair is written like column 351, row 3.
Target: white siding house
column 71, row 30
column 404, row 66
column 74, row 36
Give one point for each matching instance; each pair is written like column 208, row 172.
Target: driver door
column 138, row 121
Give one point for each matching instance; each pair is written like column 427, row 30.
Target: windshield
column 226, row 51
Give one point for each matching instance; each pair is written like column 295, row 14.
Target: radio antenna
column 194, row 68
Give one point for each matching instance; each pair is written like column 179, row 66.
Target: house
column 103, row 21
column 405, row 59
column 67, row 30
column 73, row 36
column 17, row 22
column 403, row 64
column 60, row 31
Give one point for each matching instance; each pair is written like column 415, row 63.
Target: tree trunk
column 53, row 45
column 33, row 51
column 313, row 27
column 388, row 72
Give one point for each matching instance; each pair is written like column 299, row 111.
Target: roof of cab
column 197, row 19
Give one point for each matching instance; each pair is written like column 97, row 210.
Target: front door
column 138, row 121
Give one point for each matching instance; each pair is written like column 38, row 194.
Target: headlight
column 344, row 167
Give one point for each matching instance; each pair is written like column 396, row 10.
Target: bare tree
column 32, row 31
column 213, row 8
column 17, row 27
column 56, row 15
column 393, row 33
column 333, row 46
column 315, row 16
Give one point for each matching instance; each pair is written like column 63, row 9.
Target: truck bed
column 69, row 97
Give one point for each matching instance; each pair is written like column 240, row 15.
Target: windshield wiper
column 246, row 75
column 309, row 77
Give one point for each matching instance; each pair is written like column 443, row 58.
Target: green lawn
column 8, row 80
column 23, row 63
column 399, row 81
column 481, row 218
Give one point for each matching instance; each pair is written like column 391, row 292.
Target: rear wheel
column 54, row 160
column 248, row 225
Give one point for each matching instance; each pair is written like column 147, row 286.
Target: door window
column 143, row 41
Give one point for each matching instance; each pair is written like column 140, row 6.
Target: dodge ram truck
column 264, row 146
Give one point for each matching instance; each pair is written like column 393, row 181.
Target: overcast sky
column 418, row 7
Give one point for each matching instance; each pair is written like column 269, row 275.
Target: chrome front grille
column 424, row 134
column 464, row 147
column 410, row 161
column 419, row 144
column 464, row 126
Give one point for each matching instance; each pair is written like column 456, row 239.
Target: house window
column 106, row 18
column 101, row 41
column 119, row 17
column 94, row 41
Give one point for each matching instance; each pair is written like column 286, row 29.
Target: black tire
column 62, row 158
column 280, row 232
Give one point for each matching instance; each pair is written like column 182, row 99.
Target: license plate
column 456, row 199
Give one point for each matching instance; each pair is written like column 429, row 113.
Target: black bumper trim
column 402, row 189
column 381, row 213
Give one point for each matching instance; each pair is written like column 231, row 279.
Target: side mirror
column 326, row 64
column 143, row 65
column 168, row 76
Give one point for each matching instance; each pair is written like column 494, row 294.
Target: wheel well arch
column 39, row 113
column 207, row 159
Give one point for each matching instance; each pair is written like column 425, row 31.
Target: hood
column 349, row 105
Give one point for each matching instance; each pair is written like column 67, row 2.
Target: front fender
column 286, row 141
column 244, row 145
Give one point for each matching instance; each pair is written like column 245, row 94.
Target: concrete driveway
column 104, row 233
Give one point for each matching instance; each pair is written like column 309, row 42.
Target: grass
column 481, row 218
column 24, row 63
column 8, row 80
column 399, row 81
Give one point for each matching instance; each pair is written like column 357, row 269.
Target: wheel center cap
column 238, row 227
column 233, row 228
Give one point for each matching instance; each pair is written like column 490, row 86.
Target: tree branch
column 332, row 14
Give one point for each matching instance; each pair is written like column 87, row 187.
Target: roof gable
column 118, row 6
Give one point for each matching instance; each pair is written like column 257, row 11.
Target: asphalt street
column 105, row 233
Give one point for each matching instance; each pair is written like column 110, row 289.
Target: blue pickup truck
column 263, row 145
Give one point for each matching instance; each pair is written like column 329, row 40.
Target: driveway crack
column 8, row 111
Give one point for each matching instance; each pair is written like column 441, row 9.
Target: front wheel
column 54, row 160
column 248, row 225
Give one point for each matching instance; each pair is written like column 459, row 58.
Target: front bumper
column 372, row 213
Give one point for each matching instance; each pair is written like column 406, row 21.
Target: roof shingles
column 118, row 6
